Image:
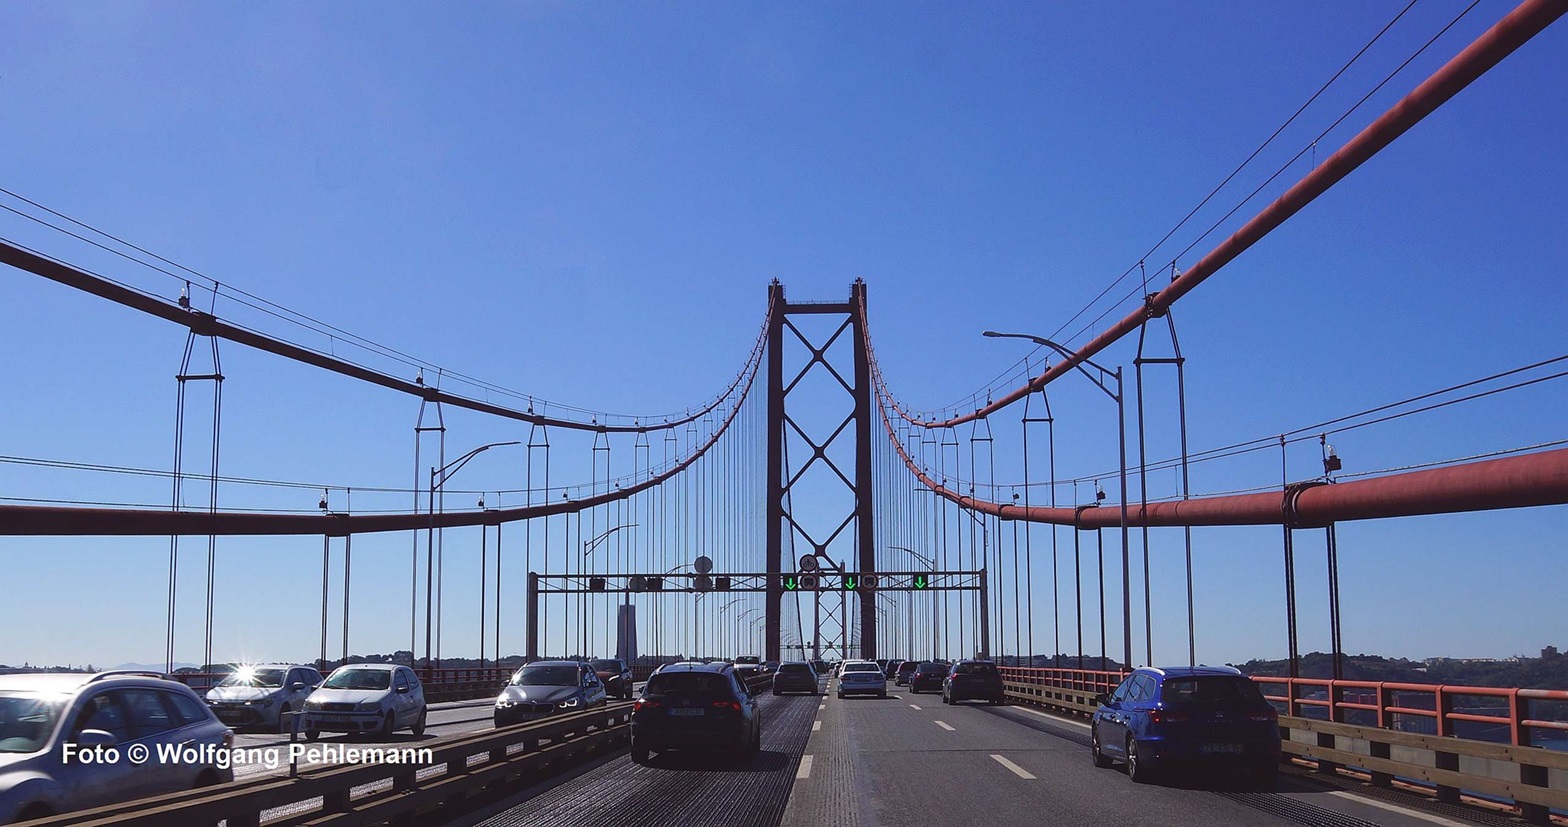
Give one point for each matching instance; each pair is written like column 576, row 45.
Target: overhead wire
column 991, row 387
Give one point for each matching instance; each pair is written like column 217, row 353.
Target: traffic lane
column 677, row 789
column 1295, row 799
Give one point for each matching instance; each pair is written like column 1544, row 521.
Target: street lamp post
column 741, row 639
column 438, row 480
column 1121, row 433
column 588, row 547
column 935, row 621
column 983, row 613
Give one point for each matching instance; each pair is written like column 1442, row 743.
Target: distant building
column 1549, row 652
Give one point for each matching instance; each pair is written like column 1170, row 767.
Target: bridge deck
column 910, row 760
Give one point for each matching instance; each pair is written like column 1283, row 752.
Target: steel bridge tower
column 781, row 522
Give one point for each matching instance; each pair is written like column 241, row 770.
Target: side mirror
column 1102, row 699
column 96, row 738
column 297, row 686
column 402, row 690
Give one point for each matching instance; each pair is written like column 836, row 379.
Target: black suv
column 698, row 706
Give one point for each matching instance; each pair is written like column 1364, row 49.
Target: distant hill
column 148, row 667
column 1524, row 673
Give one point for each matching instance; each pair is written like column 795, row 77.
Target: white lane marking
column 816, row 726
column 1395, row 808
column 1017, row 770
column 805, row 768
column 912, row 706
column 943, row 724
column 821, row 707
column 1079, row 724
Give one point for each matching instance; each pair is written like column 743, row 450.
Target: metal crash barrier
column 463, row 772
column 1387, row 733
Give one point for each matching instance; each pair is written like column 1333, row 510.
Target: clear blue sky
column 586, row 203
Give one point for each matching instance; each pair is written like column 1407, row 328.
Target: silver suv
column 74, row 741
column 263, row 695
column 367, row 697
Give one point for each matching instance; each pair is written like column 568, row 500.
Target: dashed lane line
column 816, row 726
column 1017, row 770
column 943, row 724
column 912, row 706
column 804, row 771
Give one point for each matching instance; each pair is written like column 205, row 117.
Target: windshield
column 26, row 721
column 606, row 666
column 359, row 679
column 262, row 678
column 1210, row 691
column 545, row 676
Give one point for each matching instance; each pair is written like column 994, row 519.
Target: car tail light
column 1266, row 716
column 1164, row 716
column 645, row 703
column 735, row 705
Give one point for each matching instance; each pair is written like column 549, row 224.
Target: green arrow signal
column 791, row 584
column 849, row 583
column 920, row 581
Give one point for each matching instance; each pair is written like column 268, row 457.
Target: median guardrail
column 412, row 782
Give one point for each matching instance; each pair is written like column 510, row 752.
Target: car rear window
column 862, row 667
column 1210, row 691
column 684, row 682
column 977, row 669
column 928, row 668
column 793, row 669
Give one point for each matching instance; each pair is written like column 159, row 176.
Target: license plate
column 687, row 712
column 229, row 714
column 332, row 719
column 1212, row 748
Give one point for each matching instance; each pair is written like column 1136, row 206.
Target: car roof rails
column 1222, row 668
column 128, row 673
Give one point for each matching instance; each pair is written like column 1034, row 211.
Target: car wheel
column 1100, row 760
column 312, row 734
column 419, row 723
column 639, row 754
column 1137, row 771
column 33, row 811
column 777, row 693
column 841, row 696
column 388, row 726
column 882, row 694
column 1265, row 774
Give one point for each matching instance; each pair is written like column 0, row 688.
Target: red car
column 616, row 676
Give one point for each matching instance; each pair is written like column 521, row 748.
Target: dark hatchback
column 928, row 676
column 905, row 669
column 795, row 676
column 1163, row 718
column 973, row 680
column 695, row 706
